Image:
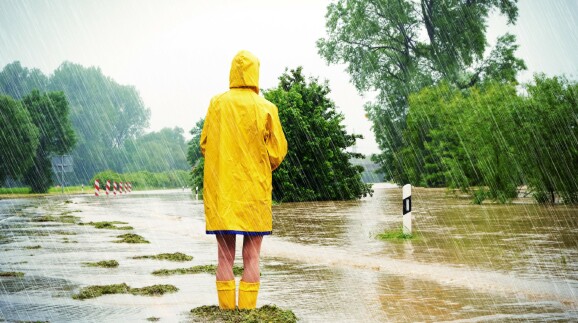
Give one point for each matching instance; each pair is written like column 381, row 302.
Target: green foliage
column 490, row 137
column 109, row 225
column 49, row 113
column 61, row 218
column 11, row 274
column 383, row 45
column 395, row 235
column 317, row 165
column 18, row 139
column 207, row 269
column 195, row 158
column 548, row 139
column 157, row 151
column 17, row 81
column 266, row 313
column 99, row 290
column 104, row 113
column 131, row 238
column 108, row 119
column 103, row 264
column 144, row 180
column 177, row 256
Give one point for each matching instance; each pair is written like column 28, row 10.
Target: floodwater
column 468, row 263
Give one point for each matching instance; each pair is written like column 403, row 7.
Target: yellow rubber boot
column 226, row 293
column 248, row 295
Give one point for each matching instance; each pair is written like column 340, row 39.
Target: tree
column 157, row 151
column 195, row 158
column 398, row 47
column 18, row 139
column 50, row 114
column 317, row 166
column 17, row 81
column 104, row 113
column 548, row 139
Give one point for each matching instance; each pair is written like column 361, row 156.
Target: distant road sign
column 62, row 164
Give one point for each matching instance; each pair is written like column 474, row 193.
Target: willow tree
column 398, row 47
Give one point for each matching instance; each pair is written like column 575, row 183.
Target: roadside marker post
column 407, row 209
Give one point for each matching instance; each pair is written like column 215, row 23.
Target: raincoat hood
column 244, row 71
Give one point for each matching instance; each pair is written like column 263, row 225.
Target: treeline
column 318, row 165
column 447, row 111
column 108, row 120
column 496, row 139
column 31, row 130
column 145, row 180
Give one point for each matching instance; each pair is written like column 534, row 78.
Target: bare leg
column 226, row 246
column 251, row 253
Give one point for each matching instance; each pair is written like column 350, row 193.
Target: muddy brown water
column 468, row 263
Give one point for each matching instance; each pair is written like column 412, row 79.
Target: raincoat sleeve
column 205, row 130
column 276, row 143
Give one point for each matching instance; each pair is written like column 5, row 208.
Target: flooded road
column 468, row 263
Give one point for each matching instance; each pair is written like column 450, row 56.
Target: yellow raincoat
column 243, row 142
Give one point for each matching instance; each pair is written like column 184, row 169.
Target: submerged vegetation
column 33, row 247
column 103, row 264
column 71, row 219
column 177, row 256
column 266, row 313
column 208, row 269
column 131, row 238
column 11, row 274
column 99, row 290
column 108, row 225
column 396, row 235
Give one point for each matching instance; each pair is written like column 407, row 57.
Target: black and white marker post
column 407, row 209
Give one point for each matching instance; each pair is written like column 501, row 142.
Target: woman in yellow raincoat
column 243, row 142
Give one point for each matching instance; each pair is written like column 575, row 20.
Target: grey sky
column 177, row 53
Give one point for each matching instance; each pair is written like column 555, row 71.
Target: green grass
column 131, row 238
column 71, row 219
column 23, row 191
column 70, row 190
column 155, row 290
column 207, row 269
column 15, row 190
column 108, row 225
column 11, row 274
column 33, row 247
column 267, row 313
column 396, row 235
column 177, row 256
column 99, row 290
column 103, row 264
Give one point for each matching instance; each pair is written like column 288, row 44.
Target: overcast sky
column 178, row 53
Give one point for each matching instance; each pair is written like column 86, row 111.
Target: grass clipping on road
column 208, row 269
column 103, row 264
column 267, row 313
column 177, row 256
column 131, row 238
column 99, row 290
column 11, row 274
column 108, row 225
